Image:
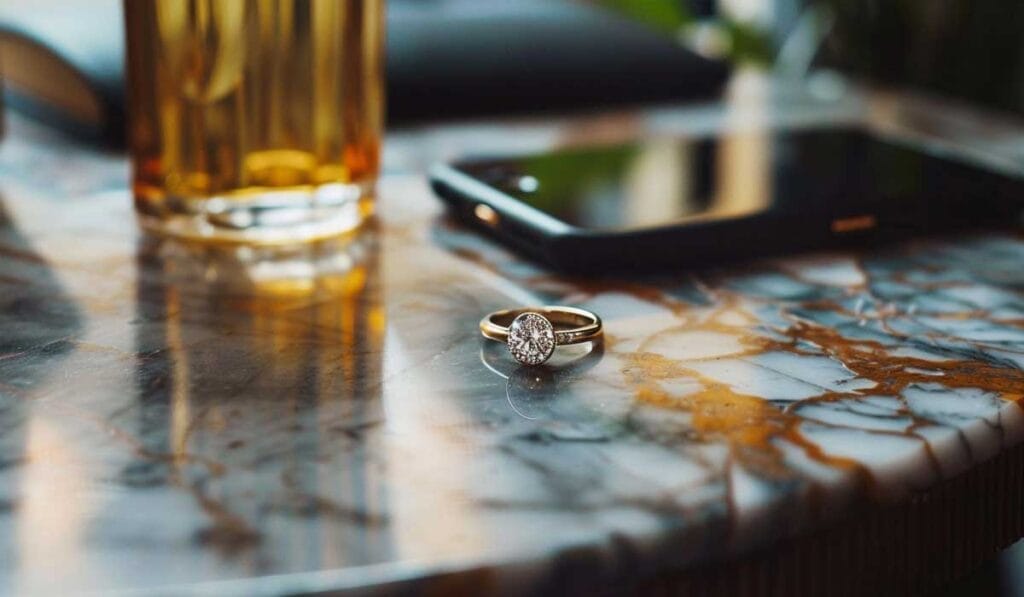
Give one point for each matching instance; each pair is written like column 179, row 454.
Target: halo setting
column 530, row 333
column 531, row 338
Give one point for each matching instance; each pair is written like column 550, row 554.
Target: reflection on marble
column 328, row 418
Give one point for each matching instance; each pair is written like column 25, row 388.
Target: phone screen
column 659, row 182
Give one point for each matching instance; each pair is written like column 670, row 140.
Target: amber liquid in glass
column 255, row 120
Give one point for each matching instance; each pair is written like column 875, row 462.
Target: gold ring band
column 532, row 333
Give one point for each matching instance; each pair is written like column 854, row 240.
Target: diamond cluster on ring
column 531, row 339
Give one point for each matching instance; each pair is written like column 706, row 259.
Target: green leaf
column 666, row 15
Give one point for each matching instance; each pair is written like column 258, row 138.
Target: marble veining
column 328, row 416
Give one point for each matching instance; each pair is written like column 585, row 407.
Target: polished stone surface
column 241, row 421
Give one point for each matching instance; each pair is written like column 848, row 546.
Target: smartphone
column 682, row 202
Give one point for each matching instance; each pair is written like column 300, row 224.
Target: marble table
column 184, row 419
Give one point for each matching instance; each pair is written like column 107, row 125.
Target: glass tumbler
column 254, row 121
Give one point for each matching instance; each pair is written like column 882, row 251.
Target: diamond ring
column 533, row 333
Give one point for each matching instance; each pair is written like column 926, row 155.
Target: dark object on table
column 451, row 58
column 665, row 204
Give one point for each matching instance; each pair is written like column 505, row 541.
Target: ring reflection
column 531, row 390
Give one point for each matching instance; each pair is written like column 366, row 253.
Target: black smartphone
column 699, row 201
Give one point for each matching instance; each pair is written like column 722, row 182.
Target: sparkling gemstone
column 531, row 339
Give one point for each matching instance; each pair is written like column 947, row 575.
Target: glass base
column 262, row 217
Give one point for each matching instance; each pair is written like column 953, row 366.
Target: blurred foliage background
column 969, row 49
column 721, row 34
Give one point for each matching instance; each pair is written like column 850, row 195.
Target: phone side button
column 850, row 224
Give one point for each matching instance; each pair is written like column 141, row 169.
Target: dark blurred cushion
column 468, row 57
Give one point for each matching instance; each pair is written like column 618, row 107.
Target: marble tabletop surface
column 186, row 419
